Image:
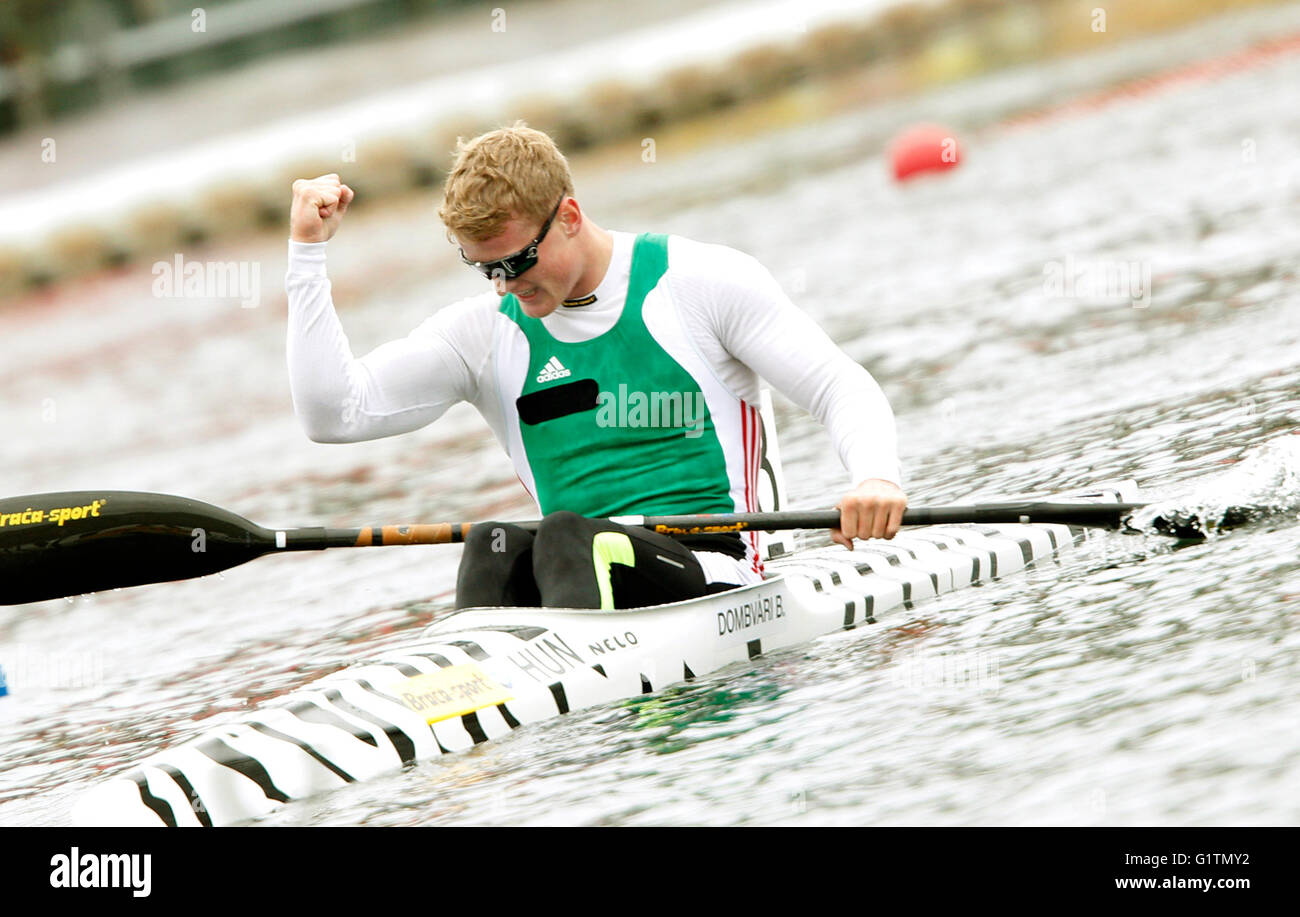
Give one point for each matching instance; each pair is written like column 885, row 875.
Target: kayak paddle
column 65, row 544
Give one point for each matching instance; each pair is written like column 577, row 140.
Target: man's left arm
column 758, row 324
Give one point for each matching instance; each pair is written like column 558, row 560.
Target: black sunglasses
column 511, row 266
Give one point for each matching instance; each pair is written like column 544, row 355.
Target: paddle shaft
column 1108, row 515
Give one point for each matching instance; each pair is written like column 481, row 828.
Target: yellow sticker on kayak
column 453, row 691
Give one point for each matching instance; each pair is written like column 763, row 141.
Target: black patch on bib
column 559, row 401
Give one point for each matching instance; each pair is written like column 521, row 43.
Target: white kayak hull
column 480, row 674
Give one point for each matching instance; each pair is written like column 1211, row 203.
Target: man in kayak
column 620, row 372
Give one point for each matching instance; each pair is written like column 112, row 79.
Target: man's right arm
column 398, row 387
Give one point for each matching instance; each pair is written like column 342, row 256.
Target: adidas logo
column 553, row 370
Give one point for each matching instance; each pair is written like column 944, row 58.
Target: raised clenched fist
column 318, row 208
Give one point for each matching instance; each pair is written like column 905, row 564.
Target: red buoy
column 923, row 148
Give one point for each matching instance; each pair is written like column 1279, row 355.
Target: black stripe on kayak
column 850, row 609
column 390, row 729
column 934, row 577
column 755, row 648
column 524, row 632
column 978, row 552
column 312, row 713
column 889, row 556
column 284, row 737
column 990, row 553
column 433, row 731
column 966, row 551
column 892, row 559
column 160, row 807
column 508, row 716
column 944, row 546
column 241, row 763
column 409, row 671
column 645, row 685
column 1026, row 546
column 687, row 673
column 472, row 649
column 888, row 552
column 561, row 699
column 474, row 727
column 437, row 659
column 402, row 741
column 196, row 804
column 903, row 581
column 835, row 578
column 868, row 609
column 601, row 669
column 992, row 556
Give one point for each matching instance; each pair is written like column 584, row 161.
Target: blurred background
column 1061, row 234
column 131, row 127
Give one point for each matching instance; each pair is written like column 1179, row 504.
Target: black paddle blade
column 65, row 544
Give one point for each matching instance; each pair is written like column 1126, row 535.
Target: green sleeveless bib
column 614, row 425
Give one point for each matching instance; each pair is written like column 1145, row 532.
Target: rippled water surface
column 1134, row 681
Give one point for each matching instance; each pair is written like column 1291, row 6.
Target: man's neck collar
column 600, row 251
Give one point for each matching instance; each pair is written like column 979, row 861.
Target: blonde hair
column 514, row 172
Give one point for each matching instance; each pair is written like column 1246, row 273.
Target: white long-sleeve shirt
column 733, row 312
